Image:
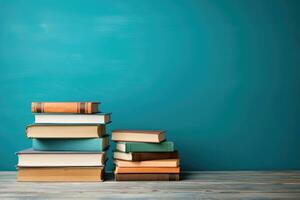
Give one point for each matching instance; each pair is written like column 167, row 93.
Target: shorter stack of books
column 144, row 156
column 68, row 143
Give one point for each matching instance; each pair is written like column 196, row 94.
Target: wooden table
column 194, row 185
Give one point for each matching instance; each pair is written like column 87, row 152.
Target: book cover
column 65, row 107
column 147, row 177
column 90, row 144
column 165, row 146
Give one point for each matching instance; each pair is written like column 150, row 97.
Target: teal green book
column 166, row 146
column 90, row 144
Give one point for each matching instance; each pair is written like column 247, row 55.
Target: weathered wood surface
column 194, row 185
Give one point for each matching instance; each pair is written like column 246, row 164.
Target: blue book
column 165, row 146
column 90, row 144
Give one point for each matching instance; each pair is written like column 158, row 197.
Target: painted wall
column 221, row 76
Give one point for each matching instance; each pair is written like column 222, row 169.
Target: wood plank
column 194, row 185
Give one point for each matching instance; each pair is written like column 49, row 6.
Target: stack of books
column 68, row 143
column 144, row 156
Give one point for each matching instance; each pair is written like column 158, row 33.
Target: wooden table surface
column 194, row 185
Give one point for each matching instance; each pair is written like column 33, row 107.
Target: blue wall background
column 221, row 76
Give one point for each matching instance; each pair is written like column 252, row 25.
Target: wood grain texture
column 193, row 185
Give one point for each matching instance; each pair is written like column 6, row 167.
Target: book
column 147, row 170
column 65, row 107
column 148, row 163
column 65, row 131
column 57, row 174
column 145, row 147
column 31, row 158
column 147, row 177
column 89, row 144
column 140, row 156
column 101, row 118
column 138, row 136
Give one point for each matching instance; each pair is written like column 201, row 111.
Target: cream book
column 31, row 158
column 140, row 156
column 138, row 136
column 148, row 163
column 65, row 131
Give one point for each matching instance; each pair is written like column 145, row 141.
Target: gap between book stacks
column 70, row 143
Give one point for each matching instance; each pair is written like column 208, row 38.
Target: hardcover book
column 138, row 136
column 147, row 177
column 148, row 163
column 166, row 146
column 101, row 118
column 147, row 170
column 140, row 156
column 56, row 174
column 31, row 158
column 65, row 131
column 65, row 107
column 89, row 144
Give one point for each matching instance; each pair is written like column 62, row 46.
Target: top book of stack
column 69, row 113
column 138, row 136
column 66, row 107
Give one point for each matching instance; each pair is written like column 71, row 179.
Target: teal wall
column 221, row 76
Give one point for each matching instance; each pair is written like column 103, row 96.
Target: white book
column 101, row 118
column 31, row 158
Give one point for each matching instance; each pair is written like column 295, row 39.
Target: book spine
column 62, row 107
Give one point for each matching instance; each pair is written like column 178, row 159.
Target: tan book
column 148, row 163
column 65, row 131
column 147, row 170
column 60, row 174
column 138, row 136
column 140, row 156
column 147, row 177
column 65, row 107
column 31, row 158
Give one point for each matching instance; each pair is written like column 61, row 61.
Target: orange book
column 148, row 163
column 149, row 170
column 57, row 174
column 65, row 107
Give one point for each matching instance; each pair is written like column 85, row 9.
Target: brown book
column 65, row 107
column 140, row 156
column 147, row 170
column 138, row 136
column 147, row 177
column 65, row 131
column 63, row 174
column 31, row 158
column 148, row 163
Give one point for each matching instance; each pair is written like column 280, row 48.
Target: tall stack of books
column 144, row 156
column 68, row 143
